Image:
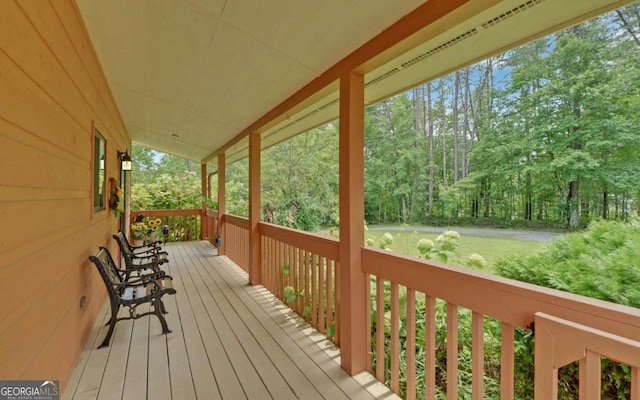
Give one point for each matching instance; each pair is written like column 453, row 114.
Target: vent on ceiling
column 382, row 77
column 439, row 48
column 511, row 13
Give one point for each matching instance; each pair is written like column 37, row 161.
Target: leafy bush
column 168, row 192
column 603, row 262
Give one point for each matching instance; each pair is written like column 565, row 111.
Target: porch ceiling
column 190, row 75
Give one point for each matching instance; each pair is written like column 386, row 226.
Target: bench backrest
column 123, row 243
column 107, row 269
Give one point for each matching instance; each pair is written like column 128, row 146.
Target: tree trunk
column 430, row 139
column 443, row 134
column 456, row 133
column 627, row 25
column 572, row 201
column 465, row 122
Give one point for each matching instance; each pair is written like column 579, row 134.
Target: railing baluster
column 321, row 294
column 337, row 301
column 395, row 338
column 411, row 344
column 369, row 365
column 590, row 384
column 330, row 295
column 279, row 273
column 430, row 347
column 266, row 260
column 452, row 351
column 303, row 281
column 380, row 348
column 477, row 355
column 507, row 360
column 274, row 267
column 314, row 292
column 635, row 383
column 295, row 277
column 307, row 285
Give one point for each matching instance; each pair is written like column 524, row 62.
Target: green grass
column 491, row 248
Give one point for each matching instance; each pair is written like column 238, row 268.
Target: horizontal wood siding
column 52, row 93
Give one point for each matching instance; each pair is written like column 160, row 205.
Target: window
column 99, row 171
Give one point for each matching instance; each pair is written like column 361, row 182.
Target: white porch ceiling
column 190, row 75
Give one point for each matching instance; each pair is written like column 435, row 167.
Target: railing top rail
column 507, row 300
column 571, row 340
column 241, row 222
column 321, row 245
column 163, row 213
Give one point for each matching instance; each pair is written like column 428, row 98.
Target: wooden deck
column 229, row 341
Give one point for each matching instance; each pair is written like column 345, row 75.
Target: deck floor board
column 229, row 340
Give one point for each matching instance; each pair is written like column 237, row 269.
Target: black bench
column 146, row 249
column 139, row 261
column 132, row 292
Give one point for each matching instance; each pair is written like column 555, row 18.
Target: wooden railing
column 184, row 225
column 441, row 288
column 560, row 342
column 300, row 269
column 236, row 239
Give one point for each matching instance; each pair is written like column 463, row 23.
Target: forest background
column 545, row 135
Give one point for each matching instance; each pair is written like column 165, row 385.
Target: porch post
column 222, row 172
column 204, row 227
column 352, row 289
column 255, row 267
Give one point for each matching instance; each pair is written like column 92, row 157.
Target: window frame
column 99, row 171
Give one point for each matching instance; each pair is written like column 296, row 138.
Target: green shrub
column 603, row 262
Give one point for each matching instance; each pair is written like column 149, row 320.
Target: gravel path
column 538, row 236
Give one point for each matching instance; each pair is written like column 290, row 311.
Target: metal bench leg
column 158, row 307
column 117, row 309
column 162, row 309
column 112, row 325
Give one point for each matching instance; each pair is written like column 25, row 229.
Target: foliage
column 117, row 202
column 149, row 229
column 302, row 192
column 602, row 262
column 139, row 230
column 164, row 182
column 444, row 248
column 383, row 243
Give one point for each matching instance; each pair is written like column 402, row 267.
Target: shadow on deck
column 229, row 341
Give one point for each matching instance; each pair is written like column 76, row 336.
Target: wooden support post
column 222, row 172
column 255, row 262
column 204, row 226
column 353, row 296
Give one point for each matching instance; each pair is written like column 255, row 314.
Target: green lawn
column 491, row 248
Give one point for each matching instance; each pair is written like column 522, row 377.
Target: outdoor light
column 125, row 158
